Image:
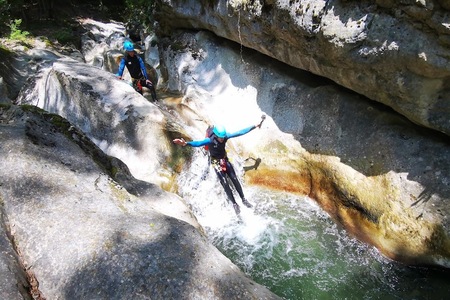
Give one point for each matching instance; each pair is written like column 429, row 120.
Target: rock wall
column 394, row 52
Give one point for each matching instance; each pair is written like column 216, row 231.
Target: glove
column 181, row 142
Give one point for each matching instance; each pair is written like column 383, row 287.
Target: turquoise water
column 302, row 254
column 291, row 246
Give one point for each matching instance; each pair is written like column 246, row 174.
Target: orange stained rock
column 288, row 181
column 366, row 223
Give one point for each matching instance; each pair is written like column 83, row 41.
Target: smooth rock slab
column 85, row 237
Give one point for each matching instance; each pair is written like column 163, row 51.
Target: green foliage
column 16, row 33
column 140, row 11
column 64, row 35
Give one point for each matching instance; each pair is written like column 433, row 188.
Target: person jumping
column 216, row 142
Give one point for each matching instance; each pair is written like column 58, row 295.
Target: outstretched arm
column 243, row 131
column 197, row 143
column 121, row 67
column 246, row 130
column 240, row 132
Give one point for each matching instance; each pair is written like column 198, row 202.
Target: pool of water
column 302, row 254
column 291, row 246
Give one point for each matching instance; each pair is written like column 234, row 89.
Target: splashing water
column 291, row 246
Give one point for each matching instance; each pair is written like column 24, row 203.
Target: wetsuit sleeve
column 121, row 67
column 143, row 69
column 199, row 143
column 240, row 132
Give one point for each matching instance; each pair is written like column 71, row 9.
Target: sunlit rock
column 119, row 120
column 395, row 53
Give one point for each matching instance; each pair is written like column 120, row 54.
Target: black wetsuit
column 136, row 68
column 220, row 161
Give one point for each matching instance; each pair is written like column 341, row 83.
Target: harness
column 137, row 84
column 219, row 164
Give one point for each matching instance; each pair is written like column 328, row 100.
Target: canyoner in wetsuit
column 136, row 67
column 219, row 160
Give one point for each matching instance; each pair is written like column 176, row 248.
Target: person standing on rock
column 215, row 142
column 136, row 68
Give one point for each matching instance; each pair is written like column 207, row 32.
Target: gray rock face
column 13, row 284
column 393, row 52
column 84, row 236
column 119, row 120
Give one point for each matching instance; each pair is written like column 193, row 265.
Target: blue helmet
column 220, row 131
column 128, row 46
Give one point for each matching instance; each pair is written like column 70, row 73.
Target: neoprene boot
column 246, row 203
column 236, row 208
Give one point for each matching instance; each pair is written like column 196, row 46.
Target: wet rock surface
column 83, row 235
